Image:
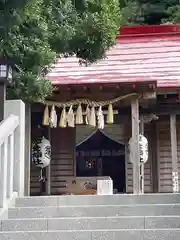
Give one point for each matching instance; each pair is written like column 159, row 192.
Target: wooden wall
column 62, row 163
column 63, row 155
column 164, row 153
column 35, row 188
column 164, row 156
column 34, row 181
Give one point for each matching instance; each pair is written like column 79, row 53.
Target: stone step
column 161, row 234
column 95, row 211
column 56, row 224
column 120, row 199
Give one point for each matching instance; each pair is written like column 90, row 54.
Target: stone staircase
column 126, row 217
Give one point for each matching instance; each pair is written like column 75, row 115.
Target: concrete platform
column 119, row 199
column 168, row 234
column 55, row 224
column 95, row 211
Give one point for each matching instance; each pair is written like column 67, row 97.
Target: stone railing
column 12, row 144
column 8, row 166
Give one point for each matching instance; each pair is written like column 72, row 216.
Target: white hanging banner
column 143, row 149
column 41, row 152
column 175, row 182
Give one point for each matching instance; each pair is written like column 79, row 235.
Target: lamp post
column 5, row 79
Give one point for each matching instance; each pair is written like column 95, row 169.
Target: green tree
column 173, row 14
column 37, row 32
column 150, row 12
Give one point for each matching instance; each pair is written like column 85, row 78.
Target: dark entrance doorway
column 101, row 156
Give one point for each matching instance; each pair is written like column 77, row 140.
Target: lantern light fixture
column 6, row 73
column 6, row 79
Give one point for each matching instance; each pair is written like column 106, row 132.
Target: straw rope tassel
column 53, row 117
column 46, row 116
column 79, row 115
column 92, row 121
column 100, row 118
column 62, row 122
column 70, row 117
column 88, row 113
column 110, row 116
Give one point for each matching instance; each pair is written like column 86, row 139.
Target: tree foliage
column 150, row 12
column 36, row 32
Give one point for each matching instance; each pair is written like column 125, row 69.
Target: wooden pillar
column 135, row 145
column 27, row 150
column 2, row 99
column 175, row 181
column 141, row 128
column 153, row 146
column 141, row 125
column 48, row 169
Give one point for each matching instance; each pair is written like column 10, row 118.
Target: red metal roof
column 141, row 54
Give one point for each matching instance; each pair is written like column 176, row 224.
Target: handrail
column 8, row 167
column 8, row 126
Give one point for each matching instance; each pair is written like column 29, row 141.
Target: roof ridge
column 150, row 30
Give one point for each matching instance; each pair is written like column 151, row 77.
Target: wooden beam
column 173, row 133
column 135, row 145
column 149, row 95
column 161, row 110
